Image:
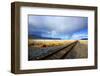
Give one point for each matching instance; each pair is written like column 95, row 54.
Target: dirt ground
column 79, row 51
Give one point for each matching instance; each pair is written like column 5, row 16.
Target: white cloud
column 53, row 33
column 65, row 24
column 79, row 36
column 58, row 26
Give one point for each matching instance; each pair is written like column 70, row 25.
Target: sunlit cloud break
column 62, row 27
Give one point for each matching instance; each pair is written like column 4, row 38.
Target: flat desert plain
column 57, row 49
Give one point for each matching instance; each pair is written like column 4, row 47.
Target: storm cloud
column 64, row 27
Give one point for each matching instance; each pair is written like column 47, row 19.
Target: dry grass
column 85, row 42
column 48, row 43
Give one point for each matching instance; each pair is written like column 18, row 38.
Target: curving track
column 52, row 53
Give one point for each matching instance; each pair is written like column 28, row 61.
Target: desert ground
column 57, row 49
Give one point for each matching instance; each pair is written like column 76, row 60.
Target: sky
column 63, row 27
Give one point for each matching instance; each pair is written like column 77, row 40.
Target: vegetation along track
column 59, row 53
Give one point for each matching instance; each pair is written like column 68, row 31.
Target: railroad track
column 59, row 53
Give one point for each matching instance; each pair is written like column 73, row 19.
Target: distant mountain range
column 40, row 37
column 84, row 39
